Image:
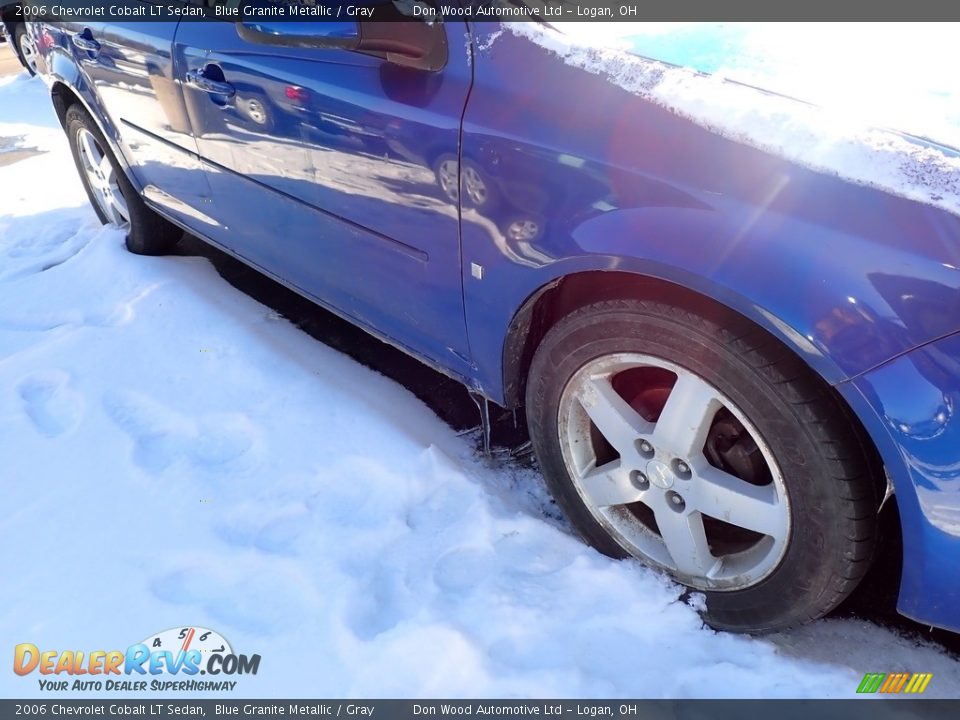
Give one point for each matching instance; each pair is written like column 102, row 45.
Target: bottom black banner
column 855, row 709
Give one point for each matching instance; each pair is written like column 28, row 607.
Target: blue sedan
column 730, row 358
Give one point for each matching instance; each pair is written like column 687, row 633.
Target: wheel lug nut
column 645, row 448
column 639, row 480
column 681, row 469
column 676, row 502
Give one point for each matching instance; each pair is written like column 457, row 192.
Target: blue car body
column 326, row 168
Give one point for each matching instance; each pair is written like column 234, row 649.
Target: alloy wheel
column 674, row 471
column 102, row 179
column 29, row 51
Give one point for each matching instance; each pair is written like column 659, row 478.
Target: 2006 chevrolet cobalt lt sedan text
column 729, row 360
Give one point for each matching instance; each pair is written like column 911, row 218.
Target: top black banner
column 549, row 11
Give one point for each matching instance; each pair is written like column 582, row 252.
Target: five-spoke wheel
column 102, row 179
column 698, row 444
column 27, row 46
column 643, row 469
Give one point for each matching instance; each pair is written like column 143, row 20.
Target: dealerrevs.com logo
column 169, row 661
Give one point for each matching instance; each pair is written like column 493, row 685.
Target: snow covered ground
column 172, row 454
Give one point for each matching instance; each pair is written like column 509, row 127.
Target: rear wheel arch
column 63, row 96
column 114, row 198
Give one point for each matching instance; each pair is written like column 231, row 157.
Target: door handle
column 84, row 41
column 199, row 80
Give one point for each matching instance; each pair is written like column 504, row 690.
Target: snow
column 174, row 454
column 843, row 133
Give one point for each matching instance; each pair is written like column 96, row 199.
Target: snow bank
column 172, row 453
column 828, row 141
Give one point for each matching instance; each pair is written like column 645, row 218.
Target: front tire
column 114, row 199
column 703, row 447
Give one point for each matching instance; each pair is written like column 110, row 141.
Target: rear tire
column 754, row 487
column 27, row 48
column 114, row 198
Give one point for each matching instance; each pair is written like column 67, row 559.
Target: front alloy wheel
column 701, row 446
column 643, row 469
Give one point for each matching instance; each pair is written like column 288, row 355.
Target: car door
column 78, row 43
column 324, row 164
column 135, row 78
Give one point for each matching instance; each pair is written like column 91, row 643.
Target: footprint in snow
column 41, row 252
column 49, row 402
column 463, row 568
column 278, row 535
column 26, row 319
column 38, row 244
column 384, row 602
column 269, row 606
column 215, row 443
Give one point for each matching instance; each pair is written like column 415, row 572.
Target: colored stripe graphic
column 894, row 683
column 921, row 682
column 890, row 682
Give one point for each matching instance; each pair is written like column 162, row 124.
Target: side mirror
column 395, row 37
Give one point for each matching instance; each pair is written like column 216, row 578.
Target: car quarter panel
column 846, row 275
column 62, row 62
column 126, row 84
column 137, row 81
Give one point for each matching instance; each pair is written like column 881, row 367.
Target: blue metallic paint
column 847, row 276
column 60, row 62
column 561, row 172
column 339, row 150
column 911, row 407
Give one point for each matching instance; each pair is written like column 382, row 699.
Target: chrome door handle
column 197, row 79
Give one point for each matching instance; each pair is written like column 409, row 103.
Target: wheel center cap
column 659, row 474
